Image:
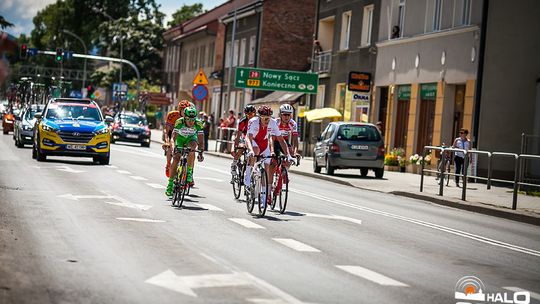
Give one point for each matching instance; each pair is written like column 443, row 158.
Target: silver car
column 23, row 132
column 350, row 145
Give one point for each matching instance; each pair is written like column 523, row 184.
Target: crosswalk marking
column 123, row 172
column 246, row 223
column 209, row 207
column 296, row 245
column 138, row 177
column 371, row 276
column 156, row 186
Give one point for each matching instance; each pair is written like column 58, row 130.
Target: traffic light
column 59, row 55
column 90, row 91
column 23, row 51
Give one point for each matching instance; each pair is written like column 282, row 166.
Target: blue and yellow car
column 72, row 127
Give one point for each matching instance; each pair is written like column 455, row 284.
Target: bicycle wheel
column 284, row 191
column 448, row 176
column 183, row 186
column 251, row 193
column 275, row 188
column 262, row 184
column 236, row 183
column 176, row 192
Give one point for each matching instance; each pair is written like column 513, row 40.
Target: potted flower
column 417, row 161
column 402, row 160
column 391, row 162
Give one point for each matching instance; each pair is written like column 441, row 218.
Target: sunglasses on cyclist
column 266, row 117
column 189, row 119
column 286, row 114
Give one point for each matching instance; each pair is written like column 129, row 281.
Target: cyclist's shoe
column 169, row 191
column 167, row 173
column 189, row 177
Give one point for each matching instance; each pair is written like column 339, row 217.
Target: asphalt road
column 74, row 232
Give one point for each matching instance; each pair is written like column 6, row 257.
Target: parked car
column 23, row 132
column 131, row 127
column 72, row 127
column 350, row 145
column 8, row 120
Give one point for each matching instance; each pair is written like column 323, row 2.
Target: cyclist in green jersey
column 187, row 132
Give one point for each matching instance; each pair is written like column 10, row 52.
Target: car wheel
column 147, row 145
column 379, row 173
column 19, row 143
column 363, row 172
column 40, row 155
column 5, row 131
column 104, row 160
column 34, row 154
column 329, row 169
column 316, row 168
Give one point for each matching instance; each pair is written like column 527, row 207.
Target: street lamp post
column 97, row 10
column 85, row 52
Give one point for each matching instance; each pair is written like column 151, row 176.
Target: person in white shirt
column 461, row 142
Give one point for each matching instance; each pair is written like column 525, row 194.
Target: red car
column 8, row 122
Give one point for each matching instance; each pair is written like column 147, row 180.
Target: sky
column 21, row 12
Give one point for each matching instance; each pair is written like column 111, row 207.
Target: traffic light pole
column 103, row 58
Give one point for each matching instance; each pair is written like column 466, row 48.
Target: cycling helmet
column 286, row 108
column 250, row 109
column 265, row 111
column 183, row 104
column 190, row 112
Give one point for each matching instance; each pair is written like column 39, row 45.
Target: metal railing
column 517, row 182
column 323, row 62
column 224, row 136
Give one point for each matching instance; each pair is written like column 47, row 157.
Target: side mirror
column 38, row 115
column 109, row 119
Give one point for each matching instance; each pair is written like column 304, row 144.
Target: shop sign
column 428, row 91
column 404, row 92
column 359, row 82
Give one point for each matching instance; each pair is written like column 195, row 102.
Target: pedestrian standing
column 206, row 131
column 461, row 142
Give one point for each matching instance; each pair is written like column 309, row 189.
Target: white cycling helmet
column 286, row 108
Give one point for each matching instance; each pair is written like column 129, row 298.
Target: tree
column 4, row 23
column 185, row 13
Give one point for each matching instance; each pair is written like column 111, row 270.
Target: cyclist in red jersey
column 239, row 141
column 259, row 130
column 289, row 131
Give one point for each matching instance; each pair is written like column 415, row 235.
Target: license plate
column 76, row 147
column 132, row 136
column 359, row 147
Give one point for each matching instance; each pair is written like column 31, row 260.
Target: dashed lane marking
column 209, row 207
column 133, row 219
column 246, row 223
column 123, row 172
column 138, row 177
column 371, row 276
column 296, row 245
column 156, row 186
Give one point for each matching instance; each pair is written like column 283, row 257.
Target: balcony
column 322, row 62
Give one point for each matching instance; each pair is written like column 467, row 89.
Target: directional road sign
column 276, row 80
column 199, row 92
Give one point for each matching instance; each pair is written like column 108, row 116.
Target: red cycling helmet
column 265, row 111
column 182, row 105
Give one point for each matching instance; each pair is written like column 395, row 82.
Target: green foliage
column 185, row 13
column 4, row 23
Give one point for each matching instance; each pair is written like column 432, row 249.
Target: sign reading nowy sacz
column 276, row 80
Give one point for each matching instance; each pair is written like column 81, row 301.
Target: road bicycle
column 280, row 185
column 180, row 185
column 444, row 168
column 237, row 174
column 259, row 181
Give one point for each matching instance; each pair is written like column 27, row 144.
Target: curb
column 473, row 207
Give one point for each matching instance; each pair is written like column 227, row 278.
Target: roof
column 278, row 97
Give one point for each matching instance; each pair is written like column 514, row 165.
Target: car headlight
column 27, row 127
column 48, row 128
column 102, row 131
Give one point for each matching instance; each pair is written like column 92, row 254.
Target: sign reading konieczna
column 276, row 80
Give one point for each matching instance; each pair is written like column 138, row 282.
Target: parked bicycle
column 180, row 185
column 257, row 191
column 444, row 168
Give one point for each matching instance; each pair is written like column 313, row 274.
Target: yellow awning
column 321, row 113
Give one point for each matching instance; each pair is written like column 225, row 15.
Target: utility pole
column 85, row 52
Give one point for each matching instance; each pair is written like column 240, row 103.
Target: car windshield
column 358, row 132
column 29, row 115
column 73, row 111
column 133, row 120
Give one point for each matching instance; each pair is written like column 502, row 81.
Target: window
column 345, row 30
column 211, row 55
column 228, row 55
column 401, row 18
column 252, row 46
column 358, row 133
column 320, row 97
column 194, row 60
column 183, row 62
column 235, row 53
column 367, row 23
column 202, row 56
column 437, row 15
column 466, row 12
column 242, row 52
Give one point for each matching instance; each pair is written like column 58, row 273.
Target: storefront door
column 428, row 93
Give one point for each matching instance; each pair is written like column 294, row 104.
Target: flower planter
column 391, row 168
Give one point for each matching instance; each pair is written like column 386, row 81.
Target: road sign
column 32, row 52
column 75, row 94
column 200, row 78
column 199, row 92
column 119, row 91
column 276, row 80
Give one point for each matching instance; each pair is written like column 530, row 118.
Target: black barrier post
column 442, row 170
column 464, row 176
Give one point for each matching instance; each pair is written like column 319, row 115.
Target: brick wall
column 287, row 34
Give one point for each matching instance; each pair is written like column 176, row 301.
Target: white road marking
column 534, row 295
column 423, row 223
column 185, row 284
column 371, row 276
column 271, row 289
column 139, row 220
column 77, row 197
column 266, row 301
column 123, row 172
column 210, row 179
column 246, row 223
column 138, row 152
column 296, row 245
column 213, row 169
column 138, row 177
column 68, row 169
column 335, row 217
column 156, row 186
column 130, row 205
column 209, row 207
column 111, row 166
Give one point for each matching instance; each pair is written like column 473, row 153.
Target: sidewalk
column 496, row 202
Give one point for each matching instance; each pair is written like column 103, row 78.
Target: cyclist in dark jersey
column 239, row 143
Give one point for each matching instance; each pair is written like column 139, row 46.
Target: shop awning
column 321, row 113
column 278, row 97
